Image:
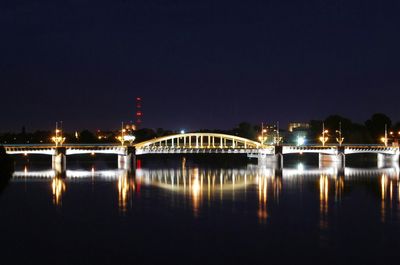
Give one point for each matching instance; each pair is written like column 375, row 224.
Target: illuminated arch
column 199, row 140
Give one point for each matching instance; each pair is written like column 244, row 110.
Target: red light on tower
column 139, row 113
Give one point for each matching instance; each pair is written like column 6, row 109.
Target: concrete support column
column 128, row 160
column 385, row 160
column 59, row 160
column 273, row 161
column 328, row 160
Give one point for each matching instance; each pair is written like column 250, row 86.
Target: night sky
column 197, row 64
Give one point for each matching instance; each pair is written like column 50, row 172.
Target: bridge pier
column 128, row 160
column 272, row 160
column 59, row 160
column 328, row 160
column 385, row 160
column 275, row 161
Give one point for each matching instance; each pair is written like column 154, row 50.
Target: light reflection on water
column 294, row 214
column 126, row 188
column 203, row 186
column 323, row 200
column 390, row 195
column 58, row 187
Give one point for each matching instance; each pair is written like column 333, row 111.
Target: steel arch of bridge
column 199, row 141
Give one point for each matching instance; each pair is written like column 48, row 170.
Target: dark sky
column 197, row 64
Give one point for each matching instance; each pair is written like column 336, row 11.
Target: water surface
column 191, row 213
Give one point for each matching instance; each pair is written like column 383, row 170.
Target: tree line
column 369, row 132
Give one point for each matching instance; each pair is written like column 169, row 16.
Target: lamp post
column 385, row 139
column 340, row 139
column 58, row 139
column 323, row 138
column 277, row 139
column 121, row 138
column 262, row 138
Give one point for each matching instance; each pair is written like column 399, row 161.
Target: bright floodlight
column 182, row 131
column 129, row 138
column 300, row 140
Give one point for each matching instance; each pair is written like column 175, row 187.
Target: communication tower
column 139, row 112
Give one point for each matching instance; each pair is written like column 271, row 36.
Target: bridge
column 205, row 143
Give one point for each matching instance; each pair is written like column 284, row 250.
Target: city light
column 182, row 131
column 300, row 140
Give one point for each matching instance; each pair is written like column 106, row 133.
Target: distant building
column 293, row 126
column 298, row 133
column 268, row 134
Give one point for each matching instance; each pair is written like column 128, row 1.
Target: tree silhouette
column 376, row 125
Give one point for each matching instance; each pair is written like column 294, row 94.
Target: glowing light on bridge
column 339, row 139
column 324, row 138
column 126, row 136
column 58, row 139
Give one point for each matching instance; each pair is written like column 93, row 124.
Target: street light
column 340, row 139
column 261, row 138
column 323, row 138
column 125, row 136
column 277, row 138
column 384, row 139
column 121, row 138
column 58, row 139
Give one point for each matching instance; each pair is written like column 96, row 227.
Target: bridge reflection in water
column 57, row 187
column 203, row 187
